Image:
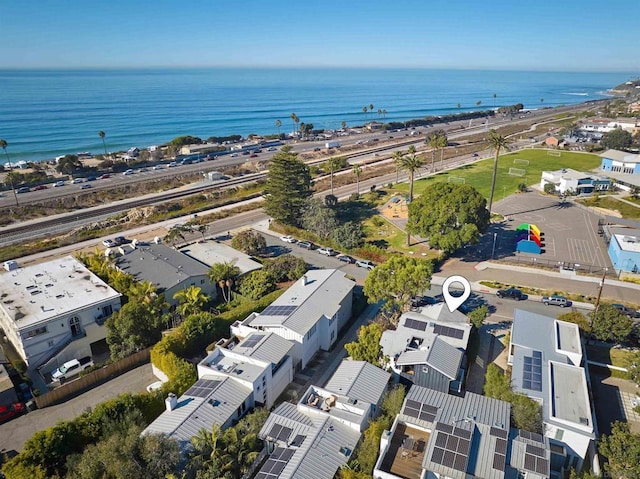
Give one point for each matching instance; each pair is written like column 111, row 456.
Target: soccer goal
column 517, row 172
column 554, row 153
column 456, row 179
column 520, row 161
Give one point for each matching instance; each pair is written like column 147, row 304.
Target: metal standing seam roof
column 271, row 349
column 519, row 447
column 359, row 380
column 160, row 264
column 617, row 155
column 322, row 295
column 445, row 358
column 195, row 413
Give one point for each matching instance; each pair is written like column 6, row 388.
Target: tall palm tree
column 384, row 114
column 494, row 100
column 379, row 113
column 411, row 163
column 191, row 300
column 365, row 110
column 102, row 134
column 278, row 125
column 497, row 142
column 397, row 160
column 434, row 143
column 334, row 164
column 343, row 125
column 9, row 177
column 224, row 275
column 296, row 120
column 459, row 106
column 443, row 142
column 357, row 170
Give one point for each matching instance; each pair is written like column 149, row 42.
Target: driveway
column 15, row 433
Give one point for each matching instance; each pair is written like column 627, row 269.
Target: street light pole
column 493, row 249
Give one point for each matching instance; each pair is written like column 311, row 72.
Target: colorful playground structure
column 529, row 239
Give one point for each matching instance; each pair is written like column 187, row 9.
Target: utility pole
column 595, row 309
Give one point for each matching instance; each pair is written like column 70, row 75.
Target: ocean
column 47, row 113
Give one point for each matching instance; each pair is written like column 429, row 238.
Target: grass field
column 479, row 174
column 626, row 210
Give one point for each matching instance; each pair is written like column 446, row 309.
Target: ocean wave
column 575, row 93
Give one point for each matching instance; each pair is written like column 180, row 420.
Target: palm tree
column 379, row 113
column 175, row 232
column 357, row 170
column 497, row 142
column 296, row 120
column 411, row 163
column 224, row 275
column 365, row 110
column 343, row 125
column 434, row 143
column 541, row 100
column 278, row 125
column 334, row 164
column 102, row 134
column 443, row 142
column 397, row 160
column 9, row 177
column 494, row 100
column 191, row 300
column 202, row 229
column 384, row 114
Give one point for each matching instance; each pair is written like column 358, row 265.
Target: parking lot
column 570, row 232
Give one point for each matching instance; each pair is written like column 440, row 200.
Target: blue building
column 615, row 161
column 624, row 250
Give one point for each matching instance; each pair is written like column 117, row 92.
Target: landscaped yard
column 610, row 355
column 479, row 174
column 625, row 209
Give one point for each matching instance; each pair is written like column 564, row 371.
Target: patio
column 405, row 453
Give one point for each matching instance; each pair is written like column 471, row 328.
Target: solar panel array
column 280, row 433
column 202, row 388
column 252, row 340
column 532, row 372
column 497, row 432
column 415, row 324
column 500, row 454
column 420, row 410
column 275, row 310
column 275, row 464
column 452, row 447
column 539, row 465
column 298, row 440
column 448, row 331
column 532, row 436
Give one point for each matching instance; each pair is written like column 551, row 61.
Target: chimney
column 171, row 402
column 304, row 279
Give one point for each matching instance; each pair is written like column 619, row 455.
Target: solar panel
column 535, row 450
column 497, row 432
column 464, row 433
column 425, row 416
column 430, row 409
column 498, row 462
column 298, row 440
column 280, row 433
column 448, row 331
column 202, row 388
column 536, row 437
column 413, row 404
column 252, row 340
column 542, row 466
column 418, row 410
column 437, row 455
column 415, row 324
column 276, row 463
column 530, row 462
column 452, row 443
column 286, row 455
column 444, row 427
column 532, row 372
column 537, row 354
column 276, row 310
column 441, row 440
column 411, row 412
column 262, row 475
column 464, row 445
column 460, row 463
column 501, row 446
column 449, row 457
column 451, row 450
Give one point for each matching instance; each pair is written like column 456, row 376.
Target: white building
column 568, row 180
column 547, row 365
column 211, row 252
column 313, row 439
column 54, row 311
column 310, row 314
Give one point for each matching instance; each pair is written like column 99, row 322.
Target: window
column 559, row 434
column 311, row 331
column 202, row 281
column 333, row 335
column 74, row 325
column 36, row 332
column 107, row 310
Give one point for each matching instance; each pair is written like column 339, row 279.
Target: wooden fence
column 93, row 379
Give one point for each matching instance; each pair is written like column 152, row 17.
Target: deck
column 405, row 453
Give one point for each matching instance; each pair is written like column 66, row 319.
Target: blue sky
column 548, row 35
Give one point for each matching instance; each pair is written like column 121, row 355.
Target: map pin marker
column 454, row 302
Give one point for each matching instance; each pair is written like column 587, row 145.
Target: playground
column 396, row 208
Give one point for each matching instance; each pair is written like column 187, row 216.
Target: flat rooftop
column 211, row 252
column 38, row 293
column 569, row 394
column 567, row 337
column 629, row 242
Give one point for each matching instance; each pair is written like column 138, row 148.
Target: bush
column 550, row 189
column 256, row 284
column 285, row 268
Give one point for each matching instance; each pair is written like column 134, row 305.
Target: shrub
column 285, row 268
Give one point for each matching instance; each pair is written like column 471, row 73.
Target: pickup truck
column 72, row 368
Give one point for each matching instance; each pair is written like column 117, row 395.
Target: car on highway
column 109, row 243
column 77, row 181
column 364, row 263
column 327, row 251
column 253, row 155
column 345, row 258
column 273, row 148
column 158, row 167
column 10, row 411
column 173, row 164
column 23, row 189
column 104, row 176
column 40, row 187
column 305, row 244
column 57, row 184
column 288, row 239
column 475, row 155
column 128, row 172
column 556, row 300
column 233, row 155
column 511, row 293
column 92, row 178
column 86, row 186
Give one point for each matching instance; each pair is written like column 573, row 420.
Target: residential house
column 211, row 252
column 54, row 311
column 310, row 314
column 166, row 268
column 437, row 435
column 568, row 181
column 313, row 439
column 547, row 364
column 428, row 348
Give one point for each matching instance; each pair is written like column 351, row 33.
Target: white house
column 568, row 180
column 547, row 362
column 211, row 252
column 54, row 311
column 310, row 314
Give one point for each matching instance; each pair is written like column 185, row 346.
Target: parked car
column 120, row 240
column 327, row 251
column 511, row 293
column 305, row 244
column 288, row 239
column 109, row 243
column 86, row 186
column 40, row 187
column 556, row 300
column 57, row 184
column 632, row 313
column 11, row 411
column 23, row 189
column 471, row 304
column 72, row 368
column 363, row 263
column 345, row 258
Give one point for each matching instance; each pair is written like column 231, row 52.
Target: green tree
column 102, row 134
column 132, row 328
column 622, row 450
column 318, row 218
column 437, row 141
column 296, row 121
column 392, row 401
column 68, row 164
column 411, row 163
column 367, row 346
column 286, row 267
column 497, row 143
column 256, row 284
column 357, row 170
column 334, row 165
column 191, row 300
column 550, row 189
column 176, row 232
column 609, row 324
column 278, row 126
column 12, row 179
column 349, row 235
column 9, row 180
column 224, row 275
column 526, row 413
column 478, row 315
column 251, row 242
column 450, row 215
column 397, row 280
column 633, row 367
column 617, row 139
column 496, row 383
column 288, row 187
